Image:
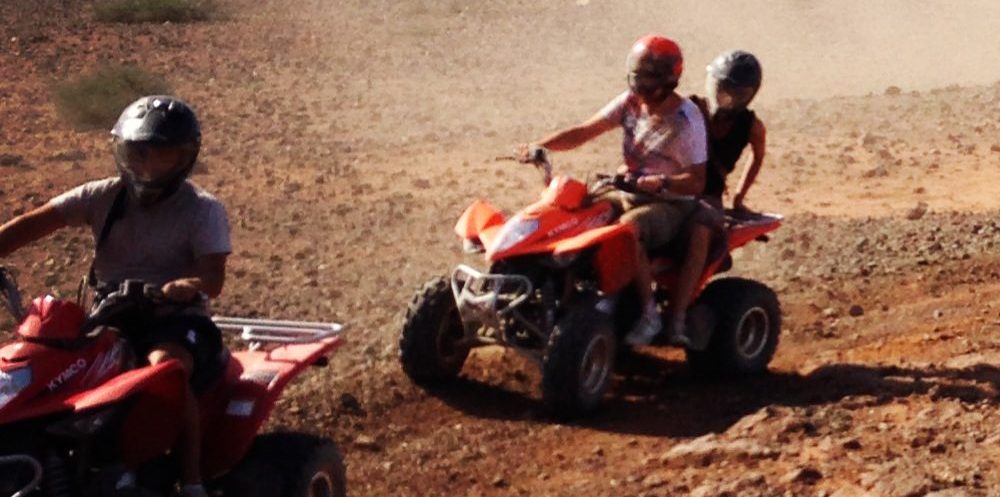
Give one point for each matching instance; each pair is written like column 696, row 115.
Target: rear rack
column 261, row 331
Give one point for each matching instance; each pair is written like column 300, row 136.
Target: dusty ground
column 346, row 138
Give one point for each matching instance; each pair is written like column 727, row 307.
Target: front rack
column 261, row 331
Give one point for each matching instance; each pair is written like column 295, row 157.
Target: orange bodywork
column 560, row 223
column 479, row 222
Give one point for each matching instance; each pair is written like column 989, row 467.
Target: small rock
column 366, row 442
column 917, row 212
column 653, row 481
column 806, row 474
column 856, row 311
column 852, row 444
column 893, row 91
column 500, row 482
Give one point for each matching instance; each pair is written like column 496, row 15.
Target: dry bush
column 135, row 11
column 95, row 100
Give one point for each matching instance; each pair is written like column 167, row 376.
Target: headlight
column 514, row 232
column 12, row 383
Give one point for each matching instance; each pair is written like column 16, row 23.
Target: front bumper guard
column 488, row 301
column 29, row 461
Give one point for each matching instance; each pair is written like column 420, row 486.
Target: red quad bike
column 558, row 291
column 81, row 416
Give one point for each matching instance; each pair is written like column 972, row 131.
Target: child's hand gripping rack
column 258, row 332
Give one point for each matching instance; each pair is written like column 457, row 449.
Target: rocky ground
column 345, row 140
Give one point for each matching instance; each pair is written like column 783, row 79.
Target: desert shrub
column 134, row 11
column 95, row 100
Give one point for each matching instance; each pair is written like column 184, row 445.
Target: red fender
column 234, row 411
column 115, row 390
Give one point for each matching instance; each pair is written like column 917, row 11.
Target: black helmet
column 733, row 80
column 155, row 142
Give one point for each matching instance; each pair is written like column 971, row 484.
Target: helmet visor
column 728, row 97
column 149, row 163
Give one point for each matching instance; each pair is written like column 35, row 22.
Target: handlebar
column 131, row 296
column 628, row 184
column 539, row 156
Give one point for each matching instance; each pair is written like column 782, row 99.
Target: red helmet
column 654, row 64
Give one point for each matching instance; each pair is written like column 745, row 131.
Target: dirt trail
column 345, row 140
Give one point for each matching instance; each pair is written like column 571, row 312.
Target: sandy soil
column 347, row 137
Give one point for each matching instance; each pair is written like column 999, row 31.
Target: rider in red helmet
column 664, row 150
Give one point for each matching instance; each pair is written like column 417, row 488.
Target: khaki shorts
column 660, row 221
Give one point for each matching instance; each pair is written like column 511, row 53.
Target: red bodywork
column 566, row 224
column 73, row 375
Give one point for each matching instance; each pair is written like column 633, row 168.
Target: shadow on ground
column 657, row 397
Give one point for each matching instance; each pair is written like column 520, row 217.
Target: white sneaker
column 648, row 326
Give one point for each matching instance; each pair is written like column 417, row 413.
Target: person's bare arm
column 758, row 144
column 690, row 181
column 211, row 277
column 29, row 227
column 574, row 136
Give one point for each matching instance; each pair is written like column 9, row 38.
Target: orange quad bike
column 558, row 290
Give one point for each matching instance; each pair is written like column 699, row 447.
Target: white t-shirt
column 651, row 145
column 157, row 244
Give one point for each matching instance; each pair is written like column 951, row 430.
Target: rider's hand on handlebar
column 182, row 291
column 524, row 153
column 651, row 183
column 531, row 153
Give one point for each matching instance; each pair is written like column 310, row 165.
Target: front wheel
column 432, row 346
column 578, row 362
column 747, row 319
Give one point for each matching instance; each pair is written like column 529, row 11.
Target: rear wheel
column 432, row 347
column 307, row 466
column 747, row 318
column 578, row 362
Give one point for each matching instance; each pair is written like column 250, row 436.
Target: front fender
column 479, row 221
column 614, row 260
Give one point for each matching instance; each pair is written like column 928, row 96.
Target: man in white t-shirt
column 151, row 224
column 664, row 149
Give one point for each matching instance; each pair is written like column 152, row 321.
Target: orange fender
column 477, row 218
column 615, row 258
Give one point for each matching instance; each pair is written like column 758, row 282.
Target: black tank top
column 724, row 151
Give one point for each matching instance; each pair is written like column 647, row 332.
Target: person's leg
column 687, row 279
column 654, row 225
column 189, row 444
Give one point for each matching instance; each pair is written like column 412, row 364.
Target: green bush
column 95, row 100
column 133, row 11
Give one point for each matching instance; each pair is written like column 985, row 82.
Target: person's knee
column 167, row 351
